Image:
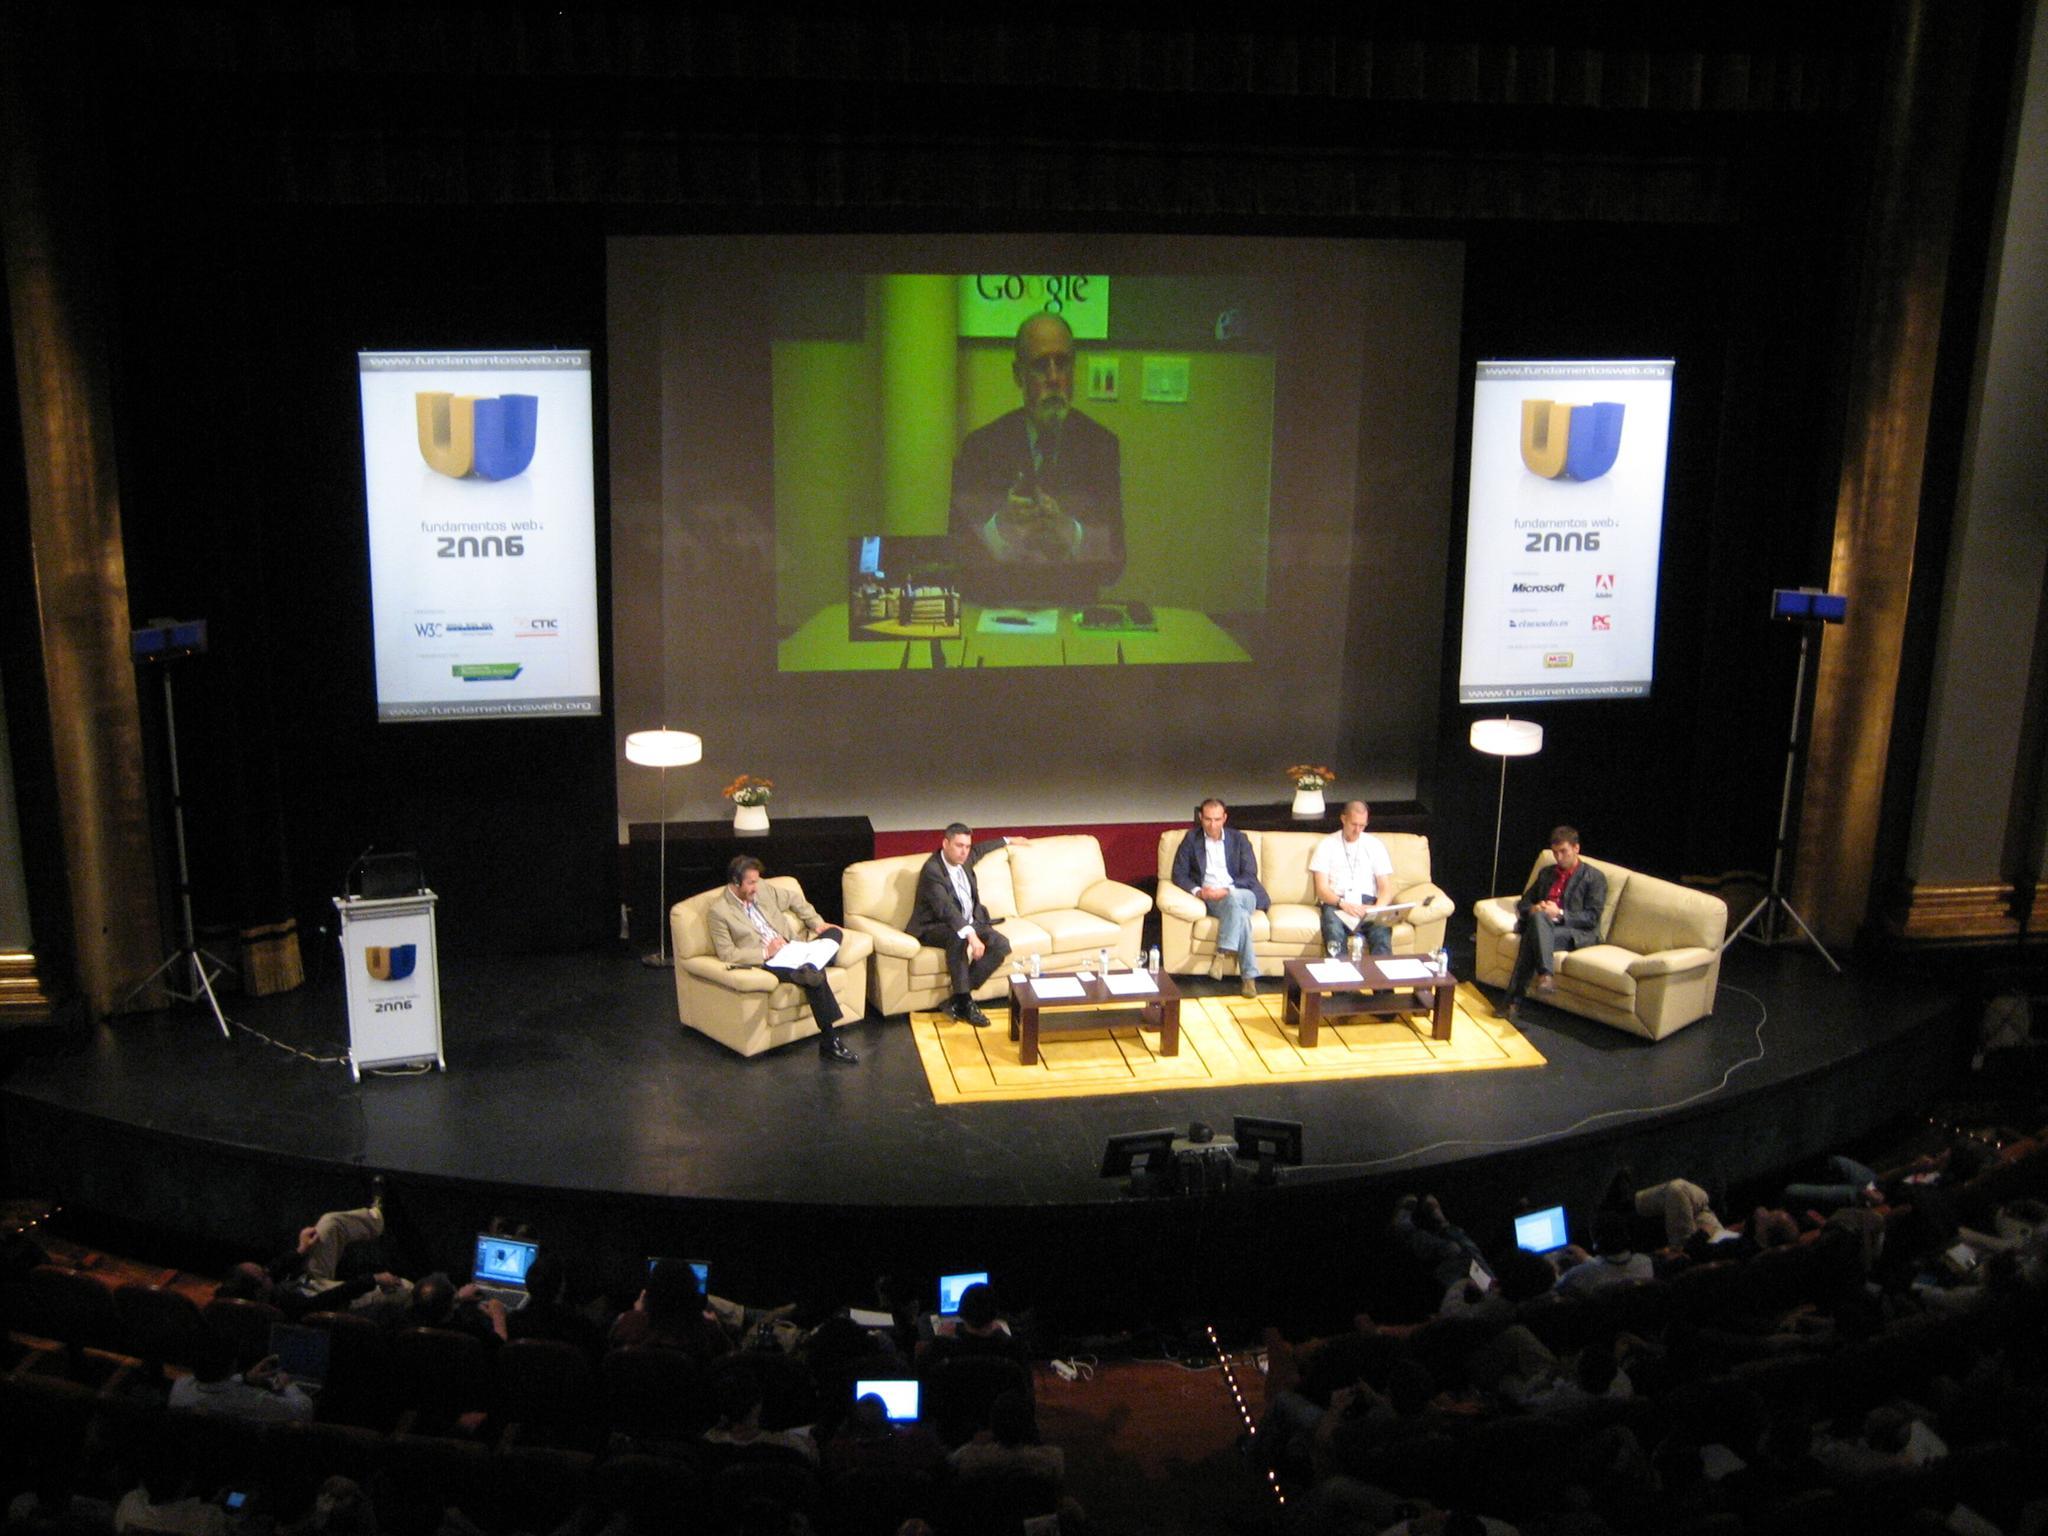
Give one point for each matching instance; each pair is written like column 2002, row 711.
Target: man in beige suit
column 751, row 921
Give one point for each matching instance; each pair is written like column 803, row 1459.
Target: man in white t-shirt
column 1354, row 872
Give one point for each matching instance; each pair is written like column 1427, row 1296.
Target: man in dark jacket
column 1215, row 863
column 1560, row 910
column 949, row 915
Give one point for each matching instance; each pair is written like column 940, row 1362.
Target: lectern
column 393, row 967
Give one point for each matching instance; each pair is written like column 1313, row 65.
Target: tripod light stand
column 184, row 969
column 663, row 749
column 1809, row 608
column 1504, row 738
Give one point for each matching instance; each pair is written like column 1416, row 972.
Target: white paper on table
column 1057, row 986
column 1130, row 983
column 1407, row 970
column 818, row 952
column 1328, row 971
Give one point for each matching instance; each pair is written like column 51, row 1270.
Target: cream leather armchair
column 1292, row 929
column 748, row 1010
column 1051, row 897
column 1655, row 969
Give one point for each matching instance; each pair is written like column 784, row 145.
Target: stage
column 574, row 1101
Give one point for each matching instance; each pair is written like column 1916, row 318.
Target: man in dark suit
column 1560, row 910
column 1037, row 509
column 949, row 915
column 1215, row 864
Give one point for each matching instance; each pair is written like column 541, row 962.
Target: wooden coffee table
column 1309, row 1002
column 1029, row 1013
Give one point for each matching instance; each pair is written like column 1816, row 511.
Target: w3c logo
column 491, row 437
column 1571, row 442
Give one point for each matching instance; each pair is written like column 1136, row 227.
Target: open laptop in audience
column 951, row 1289
column 701, row 1268
column 899, row 1396
column 500, row 1269
column 302, row 1354
column 1542, row 1231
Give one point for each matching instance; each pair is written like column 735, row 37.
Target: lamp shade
column 1507, row 738
column 664, row 748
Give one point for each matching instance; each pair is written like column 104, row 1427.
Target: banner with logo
column 1564, row 529
column 477, row 472
column 394, row 993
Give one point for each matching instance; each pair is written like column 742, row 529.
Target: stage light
column 663, row 749
column 1504, row 738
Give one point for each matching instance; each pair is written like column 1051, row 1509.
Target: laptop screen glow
column 898, row 1396
column 1541, row 1231
column 950, row 1287
column 503, row 1260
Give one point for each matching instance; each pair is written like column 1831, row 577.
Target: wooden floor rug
column 1224, row 1042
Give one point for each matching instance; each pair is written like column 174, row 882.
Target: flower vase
column 1308, row 803
column 750, row 818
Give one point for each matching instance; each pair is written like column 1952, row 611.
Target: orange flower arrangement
column 1310, row 776
column 748, row 790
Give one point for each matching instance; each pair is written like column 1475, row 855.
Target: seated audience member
column 1216, row 865
column 1520, row 1276
column 1614, row 1261
column 438, row 1303
column 949, row 915
column 1893, row 1439
column 263, row 1394
column 1684, row 1211
column 340, row 1508
column 1010, row 1445
column 1560, row 911
column 548, row 1314
column 1438, row 1247
column 869, row 1441
column 737, row 1395
column 670, row 1313
column 164, row 1503
column 980, row 1331
column 327, row 1268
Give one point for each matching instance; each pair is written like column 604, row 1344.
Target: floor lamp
column 1504, row 738
column 663, row 749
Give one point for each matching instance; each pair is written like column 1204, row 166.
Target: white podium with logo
column 394, row 981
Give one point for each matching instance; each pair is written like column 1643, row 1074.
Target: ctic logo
column 1557, row 659
column 491, row 437
column 1602, row 621
column 1571, row 442
column 390, row 963
column 539, row 629
column 1603, row 585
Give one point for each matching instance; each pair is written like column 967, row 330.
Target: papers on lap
column 818, row 952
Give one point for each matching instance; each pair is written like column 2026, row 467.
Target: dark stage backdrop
column 242, row 491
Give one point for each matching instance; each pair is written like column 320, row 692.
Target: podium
column 392, row 963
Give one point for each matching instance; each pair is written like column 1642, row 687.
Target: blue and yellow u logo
column 390, row 962
column 1571, row 442
column 489, row 436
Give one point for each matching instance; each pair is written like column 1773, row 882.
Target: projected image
column 1564, row 529
column 903, row 588
column 478, row 485
column 1044, row 470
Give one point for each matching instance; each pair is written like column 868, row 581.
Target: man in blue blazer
column 1216, row 864
column 1560, row 911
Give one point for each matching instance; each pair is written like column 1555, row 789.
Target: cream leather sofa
column 748, row 1010
column 1292, row 928
column 1654, row 970
column 1052, row 897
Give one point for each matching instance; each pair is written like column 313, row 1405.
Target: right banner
column 1563, row 529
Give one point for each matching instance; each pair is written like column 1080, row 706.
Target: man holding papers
column 753, row 923
column 1354, row 876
